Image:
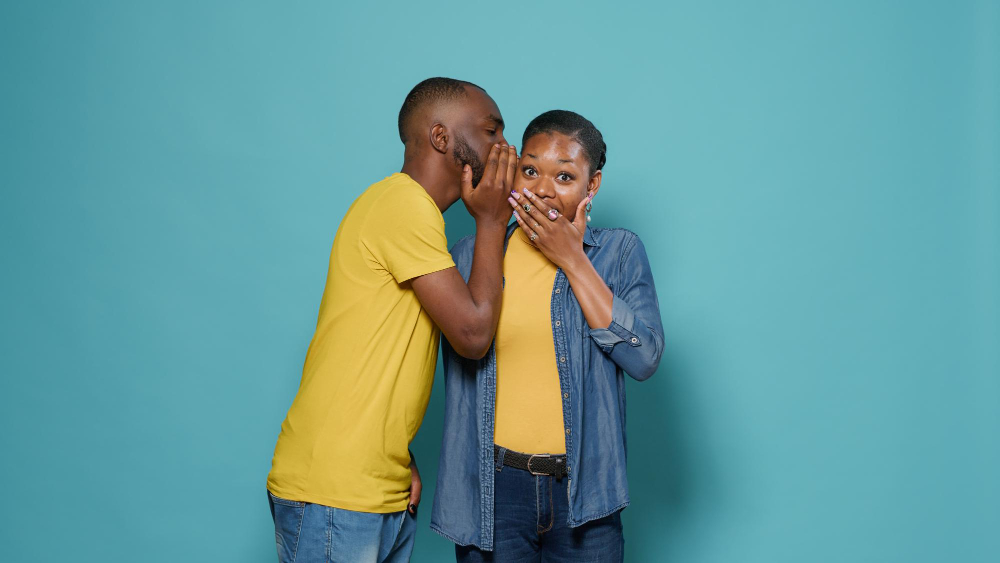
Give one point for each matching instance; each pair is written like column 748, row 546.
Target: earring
column 590, row 206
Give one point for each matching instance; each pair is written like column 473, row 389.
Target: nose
column 544, row 188
column 503, row 140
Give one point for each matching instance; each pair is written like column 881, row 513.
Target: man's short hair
column 430, row 91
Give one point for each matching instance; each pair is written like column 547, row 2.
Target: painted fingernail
column 510, row 200
column 516, row 215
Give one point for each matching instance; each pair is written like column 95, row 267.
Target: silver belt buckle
column 533, row 456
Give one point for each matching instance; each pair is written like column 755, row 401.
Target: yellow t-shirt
column 529, row 416
column 370, row 365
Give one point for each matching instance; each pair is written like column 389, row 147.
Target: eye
column 492, row 132
column 564, row 177
column 529, row 171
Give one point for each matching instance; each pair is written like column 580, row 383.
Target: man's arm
column 467, row 314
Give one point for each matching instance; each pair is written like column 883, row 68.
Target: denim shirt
column 590, row 362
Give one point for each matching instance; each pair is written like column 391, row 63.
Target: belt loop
column 498, row 457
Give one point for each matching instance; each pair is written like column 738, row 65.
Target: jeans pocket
column 287, row 515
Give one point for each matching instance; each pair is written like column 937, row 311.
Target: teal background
column 816, row 183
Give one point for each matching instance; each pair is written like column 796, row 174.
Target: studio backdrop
column 816, row 184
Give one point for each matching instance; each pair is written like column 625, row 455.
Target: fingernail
column 516, row 215
column 510, row 200
column 515, row 194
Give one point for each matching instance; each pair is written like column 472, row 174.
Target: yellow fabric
column 529, row 416
column 370, row 365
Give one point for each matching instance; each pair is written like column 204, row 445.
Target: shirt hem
column 334, row 502
column 577, row 524
column 455, row 541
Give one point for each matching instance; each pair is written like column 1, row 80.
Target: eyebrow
column 495, row 119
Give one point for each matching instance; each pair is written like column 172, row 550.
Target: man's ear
column 439, row 138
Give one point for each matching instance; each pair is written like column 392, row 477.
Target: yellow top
column 529, row 416
column 370, row 365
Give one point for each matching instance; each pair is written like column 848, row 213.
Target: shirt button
column 558, row 323
column 634, row 340
column 557, row 290
column 562, row 359
column 565, row 395
column 567, row 431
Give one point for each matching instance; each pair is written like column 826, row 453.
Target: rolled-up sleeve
column 634, row 339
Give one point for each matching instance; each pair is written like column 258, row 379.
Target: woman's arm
column 595, row 298
column 634, row 337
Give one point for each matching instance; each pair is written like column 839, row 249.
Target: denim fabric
column 313, row 533
column 531, row 525
column 591, row 364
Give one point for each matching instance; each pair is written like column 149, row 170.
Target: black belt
column 536, row 464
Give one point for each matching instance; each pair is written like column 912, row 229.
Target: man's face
column 478, row 126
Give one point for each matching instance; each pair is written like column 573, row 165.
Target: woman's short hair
column 572, row 125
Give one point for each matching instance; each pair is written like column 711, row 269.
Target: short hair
column 432, row 90
column 572, row 125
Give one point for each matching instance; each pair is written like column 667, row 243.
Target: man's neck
column 430, row 177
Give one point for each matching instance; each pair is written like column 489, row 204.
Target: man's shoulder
column 394, row 203
column 397, row 189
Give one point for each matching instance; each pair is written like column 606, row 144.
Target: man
column 343, row 485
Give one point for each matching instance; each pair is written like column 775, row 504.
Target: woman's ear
column 439, row 138
column 594, row 185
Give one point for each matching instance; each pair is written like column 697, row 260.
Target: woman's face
column 555, row 168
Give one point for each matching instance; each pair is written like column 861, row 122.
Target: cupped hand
column 486, row 202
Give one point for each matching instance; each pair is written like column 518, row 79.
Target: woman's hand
column 559, row 239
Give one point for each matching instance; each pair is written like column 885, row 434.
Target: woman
column 533, row 458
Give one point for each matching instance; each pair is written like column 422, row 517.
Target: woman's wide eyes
column 530, row 172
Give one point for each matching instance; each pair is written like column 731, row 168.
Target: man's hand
column 415, row 487
column 487, row 202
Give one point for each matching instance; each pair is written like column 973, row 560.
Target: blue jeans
column 308, row 533
column 530, row 525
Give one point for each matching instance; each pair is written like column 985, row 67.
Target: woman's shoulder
column 462, row 253
column 464, row 244
column 616, row 239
